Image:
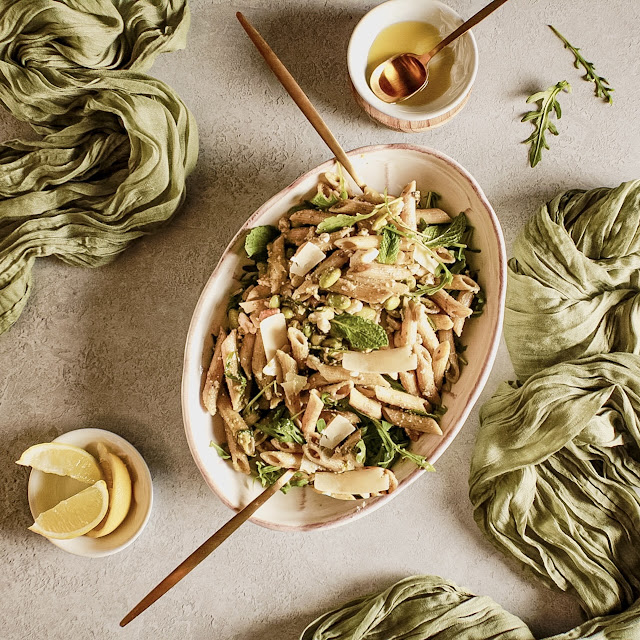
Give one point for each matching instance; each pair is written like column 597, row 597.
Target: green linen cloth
column 116, row 145
column 573, row 283
column 555, row 474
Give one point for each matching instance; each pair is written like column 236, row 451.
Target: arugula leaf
column 429, row 200
column 359, row 332
column 258, row 238
column 342, row 220
column 268, row 474
column 280, row 426
column 541, row 119
column 452, row 234
column 602, row 89
column 446, row 277
column 389, row 246
column 258, row 396
column 222, row 452
column 234, row 300
column 479, row 303
column 395, row 384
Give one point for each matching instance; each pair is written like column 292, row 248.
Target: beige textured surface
column 104, row 348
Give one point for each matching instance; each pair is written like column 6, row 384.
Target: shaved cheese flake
column 293, row 385
column 306, row 257
column 274, row 335
column 271, row 368
column 423, row 256
column 368, row 480
column 337, row 430
column 381, row 361
column 308, row 466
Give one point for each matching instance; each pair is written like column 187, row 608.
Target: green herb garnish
column 602, row 89
column 342, row 220
column 258, row 238
column 238, row 378
column 281, row 426
column 541, row 119
column 268, row 474
column 222, row 452
column 429, row 200
column 451, row 235
column 445, row 278
column 322, row 202
column 361, row 333
column 389, row 246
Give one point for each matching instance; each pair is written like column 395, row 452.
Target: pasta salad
column 340, row 338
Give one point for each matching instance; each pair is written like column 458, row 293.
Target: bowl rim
column 361, row 86
column 478, row 385
column 98, row 435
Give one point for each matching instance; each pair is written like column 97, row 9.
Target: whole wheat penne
column 311, row 217
column 246, row 353
column 231, row 363
column 233, row 426
column 369, row 242
column 401, row 399
column 426, row 331
column 282, row 459
column 365, row 405
column 337, row 390
column 461, row 282
column 299, row 345
column 311, row 413
column 214, row 377
column 409, row 329
column 453, row 370
column 300, row 235
column 441, row 362
column 334, row 261
column 352, row 207
column 382, row 272
column 412, row 421
column 424, row 375
column 409, row 382
column 277, row 268
column 450, row 305
column 363, row 257
column 433, row 216
column 339, row 374
column 441, row 321
column 464, row 298
column 408, row 215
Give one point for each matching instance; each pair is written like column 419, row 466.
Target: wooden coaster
column 407, row 126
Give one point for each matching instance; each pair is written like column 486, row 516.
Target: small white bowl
column 391, row 166
column 463, row 72
column 47, row 490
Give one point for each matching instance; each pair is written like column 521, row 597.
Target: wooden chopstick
column 207, row 547
column 299, row 97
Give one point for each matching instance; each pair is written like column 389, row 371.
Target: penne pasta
column 401, row 399
column 412, row 421
column 440, row 362
column 408, row 215
column 365, row 405
column 425, row 375
column 465, row 298
column 236, row 383
column 282, row 459
column 215, row 374
column 312, row 413
column 235, row 426
column 433, row 216
column 450, row 305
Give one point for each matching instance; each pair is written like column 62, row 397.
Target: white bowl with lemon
column 90, row 492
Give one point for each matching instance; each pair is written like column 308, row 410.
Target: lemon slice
column 62, row 460
column 119, row 485
column 74, row 516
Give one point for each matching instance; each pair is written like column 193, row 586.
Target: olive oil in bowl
column 414, row 37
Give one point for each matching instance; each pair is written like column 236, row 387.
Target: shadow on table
column 316, row 56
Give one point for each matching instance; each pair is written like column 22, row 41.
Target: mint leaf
column 342, row 220
column 258, row 238
column 451, row 235
column 360, row 333
column 389, row 246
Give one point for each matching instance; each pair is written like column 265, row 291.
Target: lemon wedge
column 62, row 460
column 119, row 486
column 74, row 516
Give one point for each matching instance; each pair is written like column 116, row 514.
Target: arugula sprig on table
column 602, row 87
column 541, row 119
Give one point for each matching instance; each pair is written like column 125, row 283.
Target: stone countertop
column 103, row 348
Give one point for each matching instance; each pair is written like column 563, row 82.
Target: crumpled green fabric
column 419, row 608
column 574, row 281
column 555, row 474
column 116, row 144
